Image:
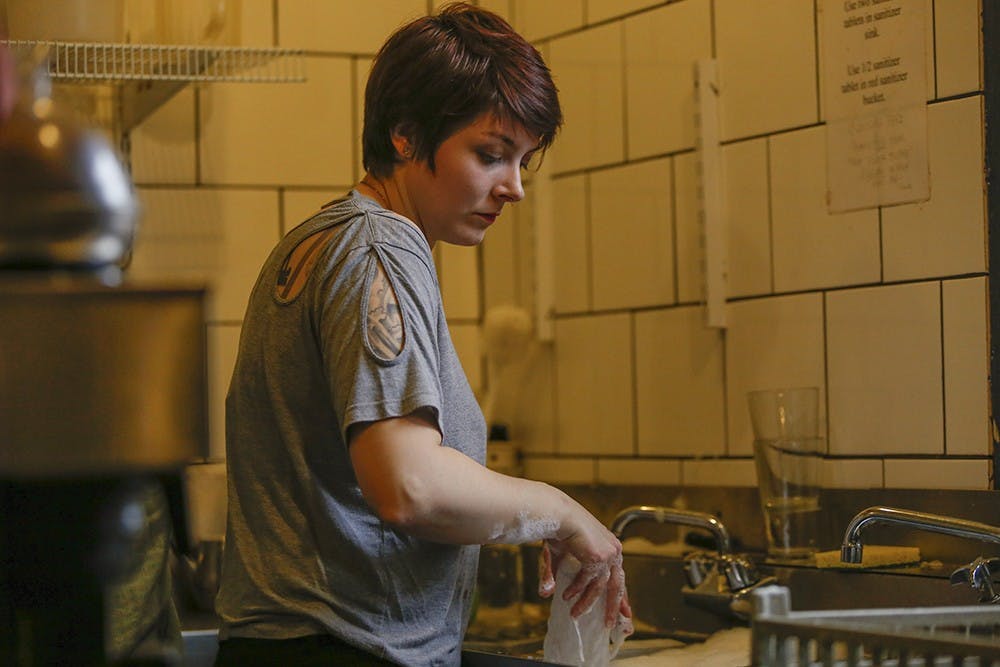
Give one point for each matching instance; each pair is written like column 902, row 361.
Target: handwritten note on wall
column 874, row 91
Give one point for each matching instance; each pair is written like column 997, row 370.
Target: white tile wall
column 139, row 24
column 661, row 47
column 690, row 247
column 246, row 136
column 361, row 67
column 747, row 211
column 508, row 256
column 343, row 27
column 246, row 23
column 223, row 344
column 957, row 44
column 625, row 91
column 163, row 148
column 719, row 472
column 587, row 68
column 524, row 260
column 937, row 474
column 630, row 472
column 572, row 261
column 298, row 205
column 884, row 358
column 219, row 237
column 602, row 10
column 852, row 474
column 680, row 393
column 560, row 470
column 467, row 340
column 771, row 343
column 594, row 402
column 966, row 367
column 632, row 236
column 535, row 19
column 502, row 7
column 767, row 66
column 459, row 294
column 929, row 59
column 946, row 235
column 535, row 429
column 500, row 275
column 812, row 248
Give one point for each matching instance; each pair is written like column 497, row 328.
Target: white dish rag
column 585, row 641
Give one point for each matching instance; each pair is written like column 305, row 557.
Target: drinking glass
column 787, row 452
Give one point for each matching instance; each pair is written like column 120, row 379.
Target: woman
column 357, row 491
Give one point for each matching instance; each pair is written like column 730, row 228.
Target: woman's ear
column 402, row 143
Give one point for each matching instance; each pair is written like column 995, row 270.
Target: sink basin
column 663, row 618
column 476, row 658
column 819, row 596
column 654, row 585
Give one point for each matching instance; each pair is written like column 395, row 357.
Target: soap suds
column 525, row 528
column 725, row 647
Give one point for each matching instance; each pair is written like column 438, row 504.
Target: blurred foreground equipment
column 102, row 400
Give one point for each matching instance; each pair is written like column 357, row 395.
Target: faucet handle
column 979, row 575
column 740, row 573
column 697, row 566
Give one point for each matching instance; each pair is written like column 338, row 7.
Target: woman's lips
column 490, row 218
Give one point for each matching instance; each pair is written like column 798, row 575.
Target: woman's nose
column 510, row 188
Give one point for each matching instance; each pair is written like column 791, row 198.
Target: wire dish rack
column 905, row 637
column 107, row 62
column 141, row 77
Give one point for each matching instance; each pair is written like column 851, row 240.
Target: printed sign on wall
column 874, row 92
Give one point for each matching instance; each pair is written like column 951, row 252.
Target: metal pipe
column 852, row 548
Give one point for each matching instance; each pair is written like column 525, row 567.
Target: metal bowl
column 65, row 199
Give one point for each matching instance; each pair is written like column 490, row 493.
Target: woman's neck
column 391, row 194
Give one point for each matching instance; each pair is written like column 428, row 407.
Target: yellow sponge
column 871, row 556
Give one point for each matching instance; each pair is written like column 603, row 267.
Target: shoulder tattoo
column 384, row 319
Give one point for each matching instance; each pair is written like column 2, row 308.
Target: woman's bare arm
column 439, row 494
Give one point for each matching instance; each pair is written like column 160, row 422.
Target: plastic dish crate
column 905, row 637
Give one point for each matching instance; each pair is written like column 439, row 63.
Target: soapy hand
column 599, row 572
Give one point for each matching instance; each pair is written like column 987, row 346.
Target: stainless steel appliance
column 102, row 400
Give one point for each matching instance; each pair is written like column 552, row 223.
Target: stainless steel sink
column 661, row 612
column 835, row 611
column 476, row 658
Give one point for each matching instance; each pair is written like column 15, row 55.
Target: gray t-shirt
column 304, row 553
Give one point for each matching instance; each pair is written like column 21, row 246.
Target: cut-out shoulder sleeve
column 384, row 319
column 380, row 329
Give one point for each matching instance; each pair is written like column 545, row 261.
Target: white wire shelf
column 91, row 62
column 144, row 76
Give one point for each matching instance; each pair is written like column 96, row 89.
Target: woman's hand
column 600, row 572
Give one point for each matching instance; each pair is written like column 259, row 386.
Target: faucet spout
column 673, row 515
column 852, row 548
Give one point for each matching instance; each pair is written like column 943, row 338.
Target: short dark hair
column 437, row 74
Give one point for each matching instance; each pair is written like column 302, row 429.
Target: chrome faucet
column 734, row 576
column 673, row 515
column 978, row 573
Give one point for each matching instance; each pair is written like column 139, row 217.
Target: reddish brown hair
column 437, row 74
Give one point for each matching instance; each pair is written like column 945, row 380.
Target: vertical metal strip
column 991, row 104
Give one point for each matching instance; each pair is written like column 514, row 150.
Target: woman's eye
column 489, row 158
